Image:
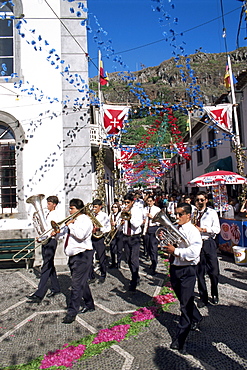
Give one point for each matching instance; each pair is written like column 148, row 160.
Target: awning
column 224, row 164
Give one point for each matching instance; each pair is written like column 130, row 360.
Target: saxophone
column 194, row 217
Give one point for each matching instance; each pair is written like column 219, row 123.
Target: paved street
column 30, row 330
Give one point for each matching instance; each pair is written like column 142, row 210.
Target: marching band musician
column 183, row 275
column 149, row 232
column 78, row 247
column 116, row 245
column 48, row 253
column 207, row 222
column 132, row 238
column 98, row 239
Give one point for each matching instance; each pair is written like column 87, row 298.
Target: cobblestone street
column 30, row 330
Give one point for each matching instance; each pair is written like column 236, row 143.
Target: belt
column 132, row 235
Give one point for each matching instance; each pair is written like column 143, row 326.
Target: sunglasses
column 180, row 214
column 127, row 201
column 200, row 199
column 114, row 206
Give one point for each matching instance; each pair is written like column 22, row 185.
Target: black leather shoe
column 132, row 289
column 176, row 345
column 215, row 300
column 68, row 319
column 101, row 280
column 86, row 309
column 52, row 294
column 91, row 281
column 201, row 304
column 195, row 325
column 33, row 299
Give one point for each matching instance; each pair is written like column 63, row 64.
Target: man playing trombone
column 78, row 247
column 48, row 253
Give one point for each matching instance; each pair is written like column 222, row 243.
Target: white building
column 205, row 157
column 44, row 110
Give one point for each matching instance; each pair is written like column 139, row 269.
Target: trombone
column 56, row 227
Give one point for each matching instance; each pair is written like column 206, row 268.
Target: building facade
column 44, row 110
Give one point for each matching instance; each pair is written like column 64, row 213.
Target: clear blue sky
column 130, row 24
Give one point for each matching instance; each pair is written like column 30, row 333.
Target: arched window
column 8, row 201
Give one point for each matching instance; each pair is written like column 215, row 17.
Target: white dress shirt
column 104, row 219
column 80, row 233
column 153, row 211
column 135, row 221
column 210, row 222
column 188, row 255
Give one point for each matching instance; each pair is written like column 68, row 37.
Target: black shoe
column 68, row 319
column 86, row 309
column 112, row 266
column 101, row 280
column 201, row 304
column 52, row 294
column 215, row 300
column 195, row 325
column 91, row 281
column 176, row 345
column 132, row 288
column 33, row 299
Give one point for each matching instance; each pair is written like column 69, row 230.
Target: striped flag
column 103, row 76
column 227, row 80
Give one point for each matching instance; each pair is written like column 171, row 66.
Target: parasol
column 218, row 178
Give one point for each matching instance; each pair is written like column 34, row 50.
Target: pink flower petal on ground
column 117, row 333
column 144, row 313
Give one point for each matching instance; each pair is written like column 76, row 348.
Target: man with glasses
column 132, row 238
column 207, row 222
column 183, row 274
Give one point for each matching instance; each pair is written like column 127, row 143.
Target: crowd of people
column 132, row 224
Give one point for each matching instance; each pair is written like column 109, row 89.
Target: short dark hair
column 202, row 193
column 150, row 196
column 53, row 199
column 97, row 202
column 77, row 203
column 186, row 207
column 129, row 196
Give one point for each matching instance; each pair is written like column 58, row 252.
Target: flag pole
column 240, row 157
column 233, row 101
column 100, row 101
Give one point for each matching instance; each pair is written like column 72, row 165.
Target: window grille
column 8, row 182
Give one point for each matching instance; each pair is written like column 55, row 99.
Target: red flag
column 114, row 116
column 222, row 115
column 103, row 76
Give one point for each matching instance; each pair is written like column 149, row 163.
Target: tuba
column 39, row 220
column 168, row 234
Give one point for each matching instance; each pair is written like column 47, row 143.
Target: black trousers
column 208, row 263
column 48, row 269
column 183, row 279
column 80, row 266
column 131, row 245
column 99, row 248
column 152, row 246
column 116, row 248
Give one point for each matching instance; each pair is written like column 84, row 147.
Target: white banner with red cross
column 114, row 118
column 221, row 115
